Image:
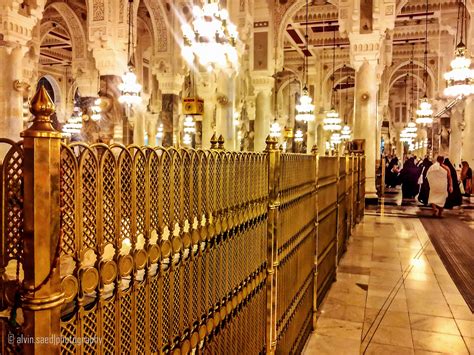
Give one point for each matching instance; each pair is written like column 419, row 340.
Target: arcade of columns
column 373, row 53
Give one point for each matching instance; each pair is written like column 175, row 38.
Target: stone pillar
column 11, row 100
column 468, row 134
column 171, row 86
column 455, row 137
column 263, row 119
column 365, row 126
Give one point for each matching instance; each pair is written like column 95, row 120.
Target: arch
column 284, row 14
column 418, row 63
column 330, row 72
column 74, row 28
column 160, row 33
column 416, row 77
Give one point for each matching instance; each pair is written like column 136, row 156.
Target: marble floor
column 393, row 295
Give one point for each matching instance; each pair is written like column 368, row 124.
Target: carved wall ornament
column 21, row 86
column 365, row 96
column 223, row 100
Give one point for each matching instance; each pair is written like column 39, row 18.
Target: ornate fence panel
column 327, row 223
column 163, row 249
column 361, row 196
column 342, row 226
column 11, row 227
column 296, row 245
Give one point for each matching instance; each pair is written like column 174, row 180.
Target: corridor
column 393, row 295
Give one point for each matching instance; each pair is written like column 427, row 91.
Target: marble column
column 263, row 119
column 11, row 100
column 114, row 124
column 455, row 137
column 207, row 91
column 365, row 126
column 170, row 119
column 468, row 134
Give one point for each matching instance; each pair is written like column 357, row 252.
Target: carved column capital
column 170, row 83
column 263, row 84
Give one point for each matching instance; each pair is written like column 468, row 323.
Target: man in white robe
column 440, row 181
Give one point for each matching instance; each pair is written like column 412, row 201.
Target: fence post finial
column 220, row 140
column 214, row 141
column 42, row 108
column 42, row 294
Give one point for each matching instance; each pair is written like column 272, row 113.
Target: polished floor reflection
column 393, row 295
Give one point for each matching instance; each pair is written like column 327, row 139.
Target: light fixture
column 460, row 79
column 130, row 89
column 424, row 114
column 211, row 38
column 96, row 110
column 332, row 121
column 74, row 123
column 346, row 132
column 411, row 126
column 159, row 134
column 189, row 125
column 299, row 136
column 405, row 136
column 305, row 108
column 187, row 140
column 336, row 138
column 275, row 129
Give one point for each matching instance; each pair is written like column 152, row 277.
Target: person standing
column 441, row 183
column 454, row 197
column 425, row 187
column 466, row 177
column 409, row 176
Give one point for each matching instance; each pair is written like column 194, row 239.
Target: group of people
column 436, row 184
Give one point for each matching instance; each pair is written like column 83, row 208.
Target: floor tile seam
column 401, row 280
column 444, row 293
column 384, row 311
column 445, row 334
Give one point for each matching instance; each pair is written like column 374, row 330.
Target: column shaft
column 366, row 120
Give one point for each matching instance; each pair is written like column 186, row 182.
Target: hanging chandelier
column 411, row 128
column 74, row 123
column 189, row 125
column 299, row 136
column 305, row 108
column 159, row 133
column 332, row 121
column 96, row 110
column 346, row 133
column 211, row 38
column 187, row 139
column 130, row 89
column 460, row 79
column 424, row 114
column 405, row 136
column 275, row 129
column 336, row 138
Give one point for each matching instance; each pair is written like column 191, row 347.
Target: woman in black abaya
column 455, row 197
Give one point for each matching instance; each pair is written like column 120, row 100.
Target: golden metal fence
column 161, row 250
